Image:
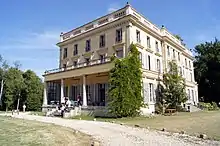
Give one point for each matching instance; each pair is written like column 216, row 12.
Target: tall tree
column 207, row 70
column 33, row 92
column 14, row 85
column 3, row 68
column 174, row 92
column 125, row 85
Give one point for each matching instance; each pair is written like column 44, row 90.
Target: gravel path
column 111, row 134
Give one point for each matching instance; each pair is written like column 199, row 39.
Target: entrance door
column 102, row 94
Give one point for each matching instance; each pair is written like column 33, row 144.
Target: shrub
column 158, row 108
column 208, row 106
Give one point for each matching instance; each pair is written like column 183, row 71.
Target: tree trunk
column 1, row 92
column 18, row 105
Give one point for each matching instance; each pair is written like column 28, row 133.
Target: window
column 156, row 45
column 119, row 53
column 74, row 63
column 138, row 36
column 183, row 72
column 102, row 58
column 191, row 79
column 188, row 94
column 65, row 53
column 174, row 55
column 140, row 56
column 189, row 64
column 102, row 41
column 88, row 45
column 87, row 61
column 151, row 91
column 168, row 50
column 119, row 35
column 148, row 42
column 180, row 71
column 192, row 95
column 185, row 62
column 149, row 67
column 179, row 56
column 75, row 51
column 64, row 65
column 158, row 65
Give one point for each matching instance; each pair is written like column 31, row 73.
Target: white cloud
column 113, row 7
column 43, row 40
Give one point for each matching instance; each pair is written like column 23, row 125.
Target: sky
column 29, row 30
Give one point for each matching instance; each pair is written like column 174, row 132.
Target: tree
column 207, row 70
column 125, row 85
column 174, row 92
column 3, row 68
column 14, row 85
column 33, row 92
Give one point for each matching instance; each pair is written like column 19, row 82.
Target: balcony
column 79, row 65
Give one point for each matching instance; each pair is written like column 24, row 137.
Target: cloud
column 43, row 40
column 113, row 7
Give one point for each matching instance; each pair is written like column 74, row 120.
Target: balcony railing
column 79, row 65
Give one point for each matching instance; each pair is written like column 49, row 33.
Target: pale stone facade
column 85, row 58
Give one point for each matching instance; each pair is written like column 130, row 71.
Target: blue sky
column 30, row 29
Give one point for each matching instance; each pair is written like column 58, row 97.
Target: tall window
column 192, row 95
column 75, row 50
column 87, row 61
column 189, row 64
column 158, row 65
column 188, row 94
column 168, row 50
column 65, row 53
column 157, row 46
column 151, row 91
column 119, row 35
column 140, row 57
column 102, row 58
column 180, row 70
column 119, row 53
column 138, row 36
column 148, row 42
column 179, row 56
column 191, row 78
column 149, row 67
column 74, row 63
column 174, row 55
column 88, row 45
column 185, row 62
column 102, row 41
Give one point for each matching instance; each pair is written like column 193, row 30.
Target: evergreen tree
column 125, row 85
column 174, row 92
column 33, row 92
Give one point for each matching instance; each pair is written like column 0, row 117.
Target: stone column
column 84, row 91
column 45, row 93
column 62, row 91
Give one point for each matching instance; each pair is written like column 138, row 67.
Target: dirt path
column 117, row 135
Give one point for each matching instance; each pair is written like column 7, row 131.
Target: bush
column 180, row 108
column 158, row 108
column 208, row 106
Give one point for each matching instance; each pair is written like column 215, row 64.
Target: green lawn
column 16, row 132
column 207, row 122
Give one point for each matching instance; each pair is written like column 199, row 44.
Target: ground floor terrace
column 92, row 88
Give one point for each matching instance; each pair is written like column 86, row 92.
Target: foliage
column 33, row 92
column 178, row 37
column 125, row 85
column 15, row 84
column 207, row 70
column 208, row 106
column 174, row 92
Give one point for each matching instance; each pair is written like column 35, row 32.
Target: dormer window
column 65, row 53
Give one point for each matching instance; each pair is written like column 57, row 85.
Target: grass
column 31, row 133
column 205, row 122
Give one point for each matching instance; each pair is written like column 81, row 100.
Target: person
column 62, row 110
column 79, row 98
